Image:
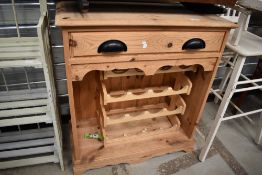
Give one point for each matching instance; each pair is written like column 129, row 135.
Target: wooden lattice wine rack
column 144, row 105
column 136, row 81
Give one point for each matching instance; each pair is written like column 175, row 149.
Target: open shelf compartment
column 127, row 133
column 95, row 152
column 140, row 130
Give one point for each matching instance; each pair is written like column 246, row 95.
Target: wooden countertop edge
column 124, row 19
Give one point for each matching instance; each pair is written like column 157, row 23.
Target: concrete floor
column 233, row 153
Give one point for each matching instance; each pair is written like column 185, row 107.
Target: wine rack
column 163, row 102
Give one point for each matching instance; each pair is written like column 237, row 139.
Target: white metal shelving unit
column 244, row 44
column 36, row 107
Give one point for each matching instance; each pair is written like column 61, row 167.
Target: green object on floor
column 94, row 136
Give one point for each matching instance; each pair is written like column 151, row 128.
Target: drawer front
column 87, row 43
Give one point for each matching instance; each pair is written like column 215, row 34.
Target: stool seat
column 251, row 4
column 249, row 45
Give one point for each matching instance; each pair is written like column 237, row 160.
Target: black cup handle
column 194, row 43
column 112, row 46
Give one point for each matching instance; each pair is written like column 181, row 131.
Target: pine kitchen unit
column 138, row 80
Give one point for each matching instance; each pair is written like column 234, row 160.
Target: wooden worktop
column 67, row 16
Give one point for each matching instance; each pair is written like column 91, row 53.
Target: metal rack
column 32, row 109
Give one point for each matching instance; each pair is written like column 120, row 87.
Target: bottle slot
column 117, row 116
column 183, row 85
column 134, row 72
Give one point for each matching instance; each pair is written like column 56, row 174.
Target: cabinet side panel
column 197, row 98
column 88, row 89
column 202, row 82
column 75, row 145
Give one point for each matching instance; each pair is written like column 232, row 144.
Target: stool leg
column 225, row 79
column 223, row 106
column 259, row 131
column 223, row 83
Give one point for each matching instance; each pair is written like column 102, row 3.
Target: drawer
column 88, row 43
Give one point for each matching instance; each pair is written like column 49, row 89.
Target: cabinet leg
column 77, row 172
column 189, row 149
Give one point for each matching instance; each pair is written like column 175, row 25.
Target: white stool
column 244, row 44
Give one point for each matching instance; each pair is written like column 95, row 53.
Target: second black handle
column 112, row 46
column 194, row 43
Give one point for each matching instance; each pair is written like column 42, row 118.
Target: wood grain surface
column 66, row 17
column 87, row 43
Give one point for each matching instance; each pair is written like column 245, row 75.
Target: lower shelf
column 140, row 130
column 95, row 154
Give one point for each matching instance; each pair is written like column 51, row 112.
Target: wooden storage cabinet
column 145, row 100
